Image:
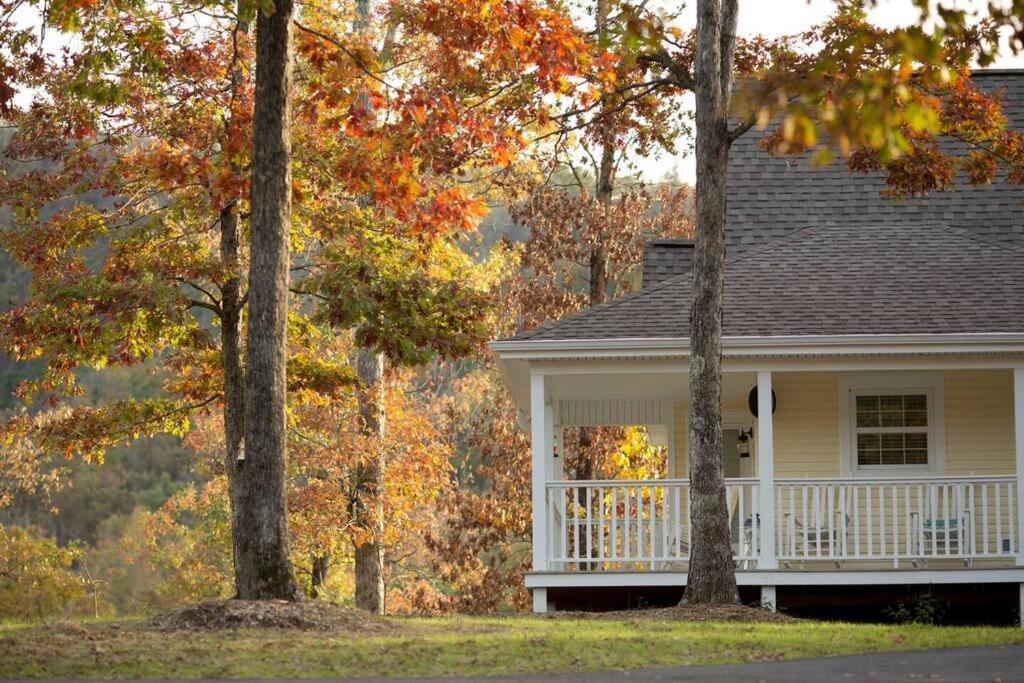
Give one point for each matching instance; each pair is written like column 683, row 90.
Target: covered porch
column 879, row 465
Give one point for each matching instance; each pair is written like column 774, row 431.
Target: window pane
column 867, row 449
column 869, row 458
column 867, row 411
column 892, row 419
column 869, row 441
column 867, row 403
column 892, row 442
column 917, row 418
column 915, row 402
column 917, row 457
column 891, row 403
column 917, row 441
column 867, row 419
column 893, row 457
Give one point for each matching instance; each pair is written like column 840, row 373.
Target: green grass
column 458, row 645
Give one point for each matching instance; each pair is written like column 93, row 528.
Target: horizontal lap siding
column 806, row 424
column 979, row 422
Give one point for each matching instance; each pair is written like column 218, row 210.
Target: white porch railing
column 616, row 524
column 645, row 525
column 896, row 519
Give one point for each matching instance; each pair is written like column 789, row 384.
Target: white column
column 540, row 432
column 1018, row 426
column 766, row 472
column 540, row 600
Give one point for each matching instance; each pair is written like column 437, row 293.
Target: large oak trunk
column 711, row 575
column 264, row 568
column 597, row 294
column 368, row 506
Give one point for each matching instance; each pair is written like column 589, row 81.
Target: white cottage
column 873, row 391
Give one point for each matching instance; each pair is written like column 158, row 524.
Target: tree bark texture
column 231, row 366
column 711, row 574
column 604, row 186
column 319, row 567
column 368, row 506
column 263, row 559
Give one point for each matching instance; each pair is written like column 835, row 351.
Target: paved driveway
column 1002, row 663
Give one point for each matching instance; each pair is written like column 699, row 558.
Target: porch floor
column 785, row 577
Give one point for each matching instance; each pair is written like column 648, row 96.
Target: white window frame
column 931, row 385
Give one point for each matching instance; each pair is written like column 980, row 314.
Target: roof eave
column 767, row 346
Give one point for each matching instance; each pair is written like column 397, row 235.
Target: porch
column 823, row 498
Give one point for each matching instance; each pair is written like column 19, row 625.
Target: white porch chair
column 941, row 537
column 818, row 543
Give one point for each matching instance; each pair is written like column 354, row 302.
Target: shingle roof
column 769, row 196
column 834, row 279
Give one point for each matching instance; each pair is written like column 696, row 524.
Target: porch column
column 766, row 471
column 1018, row 429
column 541, row 429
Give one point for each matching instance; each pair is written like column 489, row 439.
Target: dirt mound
column 306, row 616
column 689, row 613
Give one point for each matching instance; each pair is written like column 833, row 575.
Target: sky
column 781, row 17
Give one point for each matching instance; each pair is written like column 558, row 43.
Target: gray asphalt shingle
column 770, row 196
column 834, row 279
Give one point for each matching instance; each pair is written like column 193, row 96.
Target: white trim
column 766, row 471
column 1018, row 424
column 670, row 423
column 799, row 345
column 852, row 577
column 932, row 384
column 542, row 469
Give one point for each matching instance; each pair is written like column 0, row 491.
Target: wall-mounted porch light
column 743, row 442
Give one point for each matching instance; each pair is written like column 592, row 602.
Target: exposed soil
column 688, row 613
column 307, row 616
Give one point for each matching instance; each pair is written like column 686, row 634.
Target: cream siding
column 806, row 424
column 979, row 422
column 978, row 415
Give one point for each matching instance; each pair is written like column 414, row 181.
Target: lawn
column 438, row 646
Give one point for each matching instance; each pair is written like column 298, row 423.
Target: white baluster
column 856, row 520
column 999, row 520
column 871, row 514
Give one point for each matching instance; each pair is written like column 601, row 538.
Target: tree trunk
column 368, row 506
column 264, row 565
column 319, row 566
column 231, row 361
column 711, row 574
column 604, row 185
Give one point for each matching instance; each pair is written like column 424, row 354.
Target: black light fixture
column 752, row 401
column 743, row 442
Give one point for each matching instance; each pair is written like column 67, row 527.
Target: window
column 892, row 423
column 892, row 429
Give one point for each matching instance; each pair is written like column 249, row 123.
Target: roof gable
column 770, row 196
